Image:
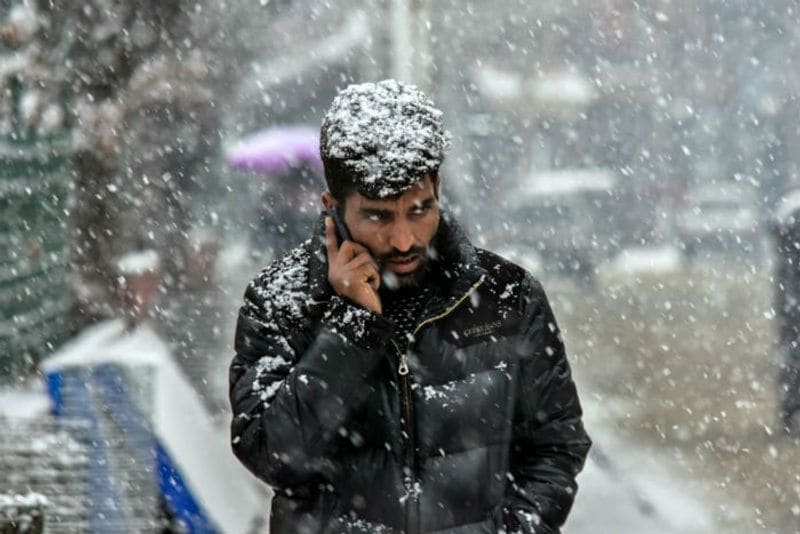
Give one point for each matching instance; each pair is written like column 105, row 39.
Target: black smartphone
column 341, row 229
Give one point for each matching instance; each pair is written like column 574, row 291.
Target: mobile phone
column 341, row 229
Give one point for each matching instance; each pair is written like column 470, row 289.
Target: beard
column 394, row 281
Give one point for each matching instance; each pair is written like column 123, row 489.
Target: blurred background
column 640, row 158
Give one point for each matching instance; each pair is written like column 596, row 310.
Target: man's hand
column 352, row 271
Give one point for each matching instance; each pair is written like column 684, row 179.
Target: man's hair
column 381, row 138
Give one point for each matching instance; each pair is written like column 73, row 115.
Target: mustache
column 397, row 255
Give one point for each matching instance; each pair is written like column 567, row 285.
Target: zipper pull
column 403, row 369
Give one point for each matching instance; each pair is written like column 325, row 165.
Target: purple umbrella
column 277, row 150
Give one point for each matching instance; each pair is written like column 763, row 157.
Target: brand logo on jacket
column 482, row 330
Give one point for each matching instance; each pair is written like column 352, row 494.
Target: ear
column 328, row 201
column 437, row 183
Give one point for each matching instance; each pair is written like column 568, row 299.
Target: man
column 401, row 380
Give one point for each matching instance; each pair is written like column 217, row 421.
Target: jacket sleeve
column 549, row 444
column 289, row 407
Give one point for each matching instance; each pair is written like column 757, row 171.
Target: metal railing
column 44, row 473
column 122, row 450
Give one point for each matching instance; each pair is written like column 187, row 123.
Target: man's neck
column 406, row 291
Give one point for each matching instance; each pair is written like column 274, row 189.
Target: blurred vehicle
column 569, row 217
column 719, row 218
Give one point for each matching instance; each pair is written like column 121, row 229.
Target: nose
column 401, row 237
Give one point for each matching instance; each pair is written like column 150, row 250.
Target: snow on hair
column 387, row 135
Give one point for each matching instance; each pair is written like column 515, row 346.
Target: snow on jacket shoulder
column 483, row 434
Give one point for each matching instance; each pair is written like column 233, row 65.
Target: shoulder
column 498, row 266
column 508, row 281
column 500, row 305
column 516, row 293
column 281, row 289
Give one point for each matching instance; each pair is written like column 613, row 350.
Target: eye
column 376, row 217
column 419, row 209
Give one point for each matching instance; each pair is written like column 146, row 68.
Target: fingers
column 375, row 282
column 372, row 275
column 364, row 263
column 366, row 272
column 352, row 270
column 350, row 249
column 362, row 259
column 371, row 300
column 367, row 290
column 357, row 248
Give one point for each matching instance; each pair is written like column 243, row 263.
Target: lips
column 404, row 266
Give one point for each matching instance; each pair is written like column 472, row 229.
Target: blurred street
column 679, row 374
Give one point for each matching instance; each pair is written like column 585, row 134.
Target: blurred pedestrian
column 787, row 305
column 389, row 376
column 286, row 210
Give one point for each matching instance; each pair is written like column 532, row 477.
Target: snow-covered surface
column 637, row 260
column 499, row 85
column 199, row 449
column 628, row 487
column 138, row 262
column 567, row 181
column 551, row 92
column 564, row 88
column 24, row 402
column 389, row 134
column 87, row 347
column 722, row 190
column 719, row 206
column 30, row 499
column 711, row 217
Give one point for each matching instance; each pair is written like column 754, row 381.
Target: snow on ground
column 25, row 401
column 627, row 487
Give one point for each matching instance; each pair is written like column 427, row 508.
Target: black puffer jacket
column 484, row 433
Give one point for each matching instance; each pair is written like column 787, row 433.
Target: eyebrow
column 427, row 203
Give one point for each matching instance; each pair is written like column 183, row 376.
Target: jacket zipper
column 405, row 398
column 404, row 372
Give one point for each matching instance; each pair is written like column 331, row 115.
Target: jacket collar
column 456, row 263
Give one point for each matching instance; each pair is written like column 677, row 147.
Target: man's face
column 396, row 231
